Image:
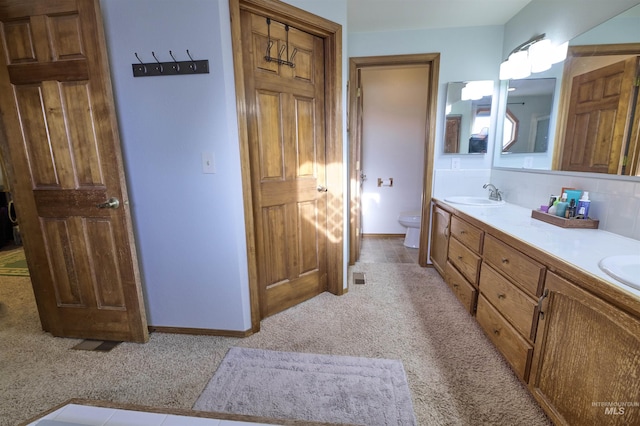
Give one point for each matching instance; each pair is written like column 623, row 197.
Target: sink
column 624, row 268
column 473, row 201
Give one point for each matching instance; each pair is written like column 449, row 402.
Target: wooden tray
column 565, row 223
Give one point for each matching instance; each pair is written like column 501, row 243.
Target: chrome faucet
column 494, row 193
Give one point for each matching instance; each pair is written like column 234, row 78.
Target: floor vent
column 96, row 345
column 358, row 278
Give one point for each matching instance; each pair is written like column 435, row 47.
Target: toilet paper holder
column 385, row 182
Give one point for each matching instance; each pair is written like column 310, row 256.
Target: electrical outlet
column 208, row 163
column 455, row 163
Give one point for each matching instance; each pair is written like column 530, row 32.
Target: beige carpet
column 312, row 387
column 405, row 312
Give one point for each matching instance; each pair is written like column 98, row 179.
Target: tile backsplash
column 615, row 203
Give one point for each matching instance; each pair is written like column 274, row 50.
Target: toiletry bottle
column 553, row 208
column 583, row 206
column 570, row 213
column 561, row 207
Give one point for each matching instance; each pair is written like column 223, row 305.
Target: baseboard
column 383, row 235
column 200, row 331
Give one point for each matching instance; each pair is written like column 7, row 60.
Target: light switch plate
column 528, row 163
column 455, row 163
column 208, row 163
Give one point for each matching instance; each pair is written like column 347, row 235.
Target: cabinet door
column 586, row 363
column 439, row 238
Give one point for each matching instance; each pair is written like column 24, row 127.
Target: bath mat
column 13, row 263
column 312, row 387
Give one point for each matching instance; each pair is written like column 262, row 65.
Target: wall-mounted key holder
column 174, row 67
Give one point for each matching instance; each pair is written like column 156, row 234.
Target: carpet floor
column 405, row 312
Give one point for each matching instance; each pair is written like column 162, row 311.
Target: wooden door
column 599, row 117
column 585, row 357
column 287, row 153
column 357, row 174
column 61, row 143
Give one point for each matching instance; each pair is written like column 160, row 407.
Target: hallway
column 386, row 250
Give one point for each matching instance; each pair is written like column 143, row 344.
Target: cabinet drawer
column 465, row 292
column 465, row 260
column 518, row 308
column 525, row 272
column 467, row 234
column 513, row 346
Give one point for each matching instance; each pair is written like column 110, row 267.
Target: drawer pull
column 459, row 257
column 496, row 331
column 455, row 285
column 462, row 232
column 501, row 296
column 505, row 260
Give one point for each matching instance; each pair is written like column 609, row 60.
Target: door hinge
column 358, row 93
column 637, row 84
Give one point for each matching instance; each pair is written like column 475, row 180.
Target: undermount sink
column 473, row 201
column 624, row 268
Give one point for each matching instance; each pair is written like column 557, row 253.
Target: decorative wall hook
column 175, row 67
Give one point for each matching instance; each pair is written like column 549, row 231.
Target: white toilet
column 411, row 219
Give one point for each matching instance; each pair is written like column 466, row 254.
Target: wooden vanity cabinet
column 586, row 357
column 463, row 261
column 507, row 311
column 440, row 219
column 568, row 335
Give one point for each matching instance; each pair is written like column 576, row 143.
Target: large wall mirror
column 468, row 117
column 575, row 141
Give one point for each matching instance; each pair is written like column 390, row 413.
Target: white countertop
column 583, row 248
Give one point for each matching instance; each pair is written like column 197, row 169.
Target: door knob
column 321, row 188
column 111, row 203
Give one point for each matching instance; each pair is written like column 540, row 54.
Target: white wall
column 189, row 225
column 393, row 139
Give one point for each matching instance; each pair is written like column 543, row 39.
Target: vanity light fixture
column 475, row 90
column 532, row 56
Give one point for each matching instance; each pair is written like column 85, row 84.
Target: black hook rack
column 288, row 60
column 151, row 69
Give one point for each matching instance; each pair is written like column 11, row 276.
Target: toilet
column 411, row 219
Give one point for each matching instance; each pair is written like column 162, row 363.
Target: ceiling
column 393, row 15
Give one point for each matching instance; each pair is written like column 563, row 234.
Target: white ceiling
column 390, row 15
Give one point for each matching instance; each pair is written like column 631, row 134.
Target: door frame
column 358, row 63
column 331, row 33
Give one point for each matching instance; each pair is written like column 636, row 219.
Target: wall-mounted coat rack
column 150, row 69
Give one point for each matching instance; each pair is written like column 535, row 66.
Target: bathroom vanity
column 568, row 330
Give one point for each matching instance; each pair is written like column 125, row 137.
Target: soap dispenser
column 583, row 206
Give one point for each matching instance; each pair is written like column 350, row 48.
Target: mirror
column 623, row 29
column 528, row 115
column 468, row 117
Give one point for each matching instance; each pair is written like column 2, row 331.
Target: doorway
column 355, row 119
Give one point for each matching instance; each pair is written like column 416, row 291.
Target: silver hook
column 193, row 65
column 159, row 67
column 175, row 66
column 144, row 67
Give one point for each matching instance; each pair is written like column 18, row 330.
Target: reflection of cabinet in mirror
column 602, row 110
column 452, row 133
